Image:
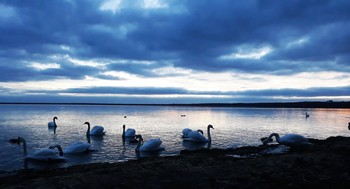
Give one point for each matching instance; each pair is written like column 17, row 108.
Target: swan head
column 17, row 140
column 266, row 140
column 139, row 137
column 55, row 118
column 210, row 126
column 123, row 126
column 58, row 147
column 87, row 123
column 200, row 131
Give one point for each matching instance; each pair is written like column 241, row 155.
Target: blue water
column 234, row 127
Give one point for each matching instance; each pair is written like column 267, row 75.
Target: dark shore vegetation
column 326, row 164
column 307, row 104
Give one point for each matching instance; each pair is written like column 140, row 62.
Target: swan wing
column 77, row 147
column 186, row 132
column 130, row 132
column 197, row 136
column 151, row 145
column 97, row 130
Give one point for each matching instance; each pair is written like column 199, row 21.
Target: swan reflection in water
column 190, row 145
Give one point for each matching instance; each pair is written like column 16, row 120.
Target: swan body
column 77, row 147
column 292, row 140
column 49, row 154
column 95, row 131
column 150, row 145
column 197, row 136
column 128, row 133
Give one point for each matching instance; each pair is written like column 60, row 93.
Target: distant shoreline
column 316, row 104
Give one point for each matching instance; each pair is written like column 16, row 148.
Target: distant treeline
column 327, row 104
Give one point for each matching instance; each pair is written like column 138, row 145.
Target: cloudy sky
column 174, row 51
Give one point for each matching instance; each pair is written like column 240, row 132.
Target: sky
column 174, row 51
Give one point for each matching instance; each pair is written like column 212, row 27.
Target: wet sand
column 326, row 164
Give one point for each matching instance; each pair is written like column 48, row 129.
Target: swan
column 149, row 146
column 77, row 147
column 48, row 154
column 52, row 124
column 307, row 115
column 291, row 140
column 95, row 131
column 128, row 133
column 197, row 136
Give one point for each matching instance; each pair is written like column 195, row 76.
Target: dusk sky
column 174, row 51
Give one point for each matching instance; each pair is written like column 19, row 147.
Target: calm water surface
column 234, row 127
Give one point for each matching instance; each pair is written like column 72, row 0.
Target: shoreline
column 326, row 164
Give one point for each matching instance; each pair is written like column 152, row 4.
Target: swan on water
column 95, row 131
column 307, row 115
column 77, row 147
column 292, row 140
column 48, row 154
column 52, row 124
column 197, row 136
column 148, row 146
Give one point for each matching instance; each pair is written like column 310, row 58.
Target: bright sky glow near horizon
column 174, row 51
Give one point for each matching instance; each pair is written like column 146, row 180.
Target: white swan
column 52, row 124
column 48, row 154
column 95, row 131
column 292, row 140
column 77, row 147
column 128, row 133
column 148, row 146
column 197, row 136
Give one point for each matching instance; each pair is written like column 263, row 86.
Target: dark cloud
column 302, row 36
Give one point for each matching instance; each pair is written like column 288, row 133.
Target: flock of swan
column 152, row 145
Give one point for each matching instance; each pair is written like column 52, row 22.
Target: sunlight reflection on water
column 234, row 127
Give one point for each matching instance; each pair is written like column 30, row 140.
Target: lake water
column 234, row 127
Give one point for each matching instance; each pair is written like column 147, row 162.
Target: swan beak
column 15, row 141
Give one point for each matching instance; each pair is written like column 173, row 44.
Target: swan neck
column 88, row 130
column 209, row 137
column 123, row 131
column 138, row 145
column 277, row 136
column 60, row 150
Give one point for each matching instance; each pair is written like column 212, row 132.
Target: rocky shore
column 325, row 164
